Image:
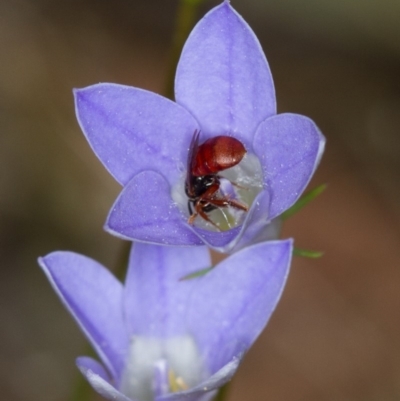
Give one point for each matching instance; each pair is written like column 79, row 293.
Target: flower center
column 157, row 367
column 241, row 183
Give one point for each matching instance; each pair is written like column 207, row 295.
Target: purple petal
column 155, row 299
column 223, row 78
column 97, row 377
column 206, row 390
column 131, row 130
column 233, row 303
column 221, row 241
column 145, row 212
column 289, row 147
column 257, row 228
column 86, row 363
column 260, row 231
column 93, row 296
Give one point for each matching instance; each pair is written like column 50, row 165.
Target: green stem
column 122, row 260
column 185, row 21
column 223, row 392
column 82, row 390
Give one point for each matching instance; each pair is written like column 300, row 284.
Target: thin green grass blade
column 303, row 201
column 306, row 253
column 198, row 273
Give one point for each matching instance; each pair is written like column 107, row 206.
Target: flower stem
column 222, row 393
column 82, row 390
column 186, row 17
column 122, row 260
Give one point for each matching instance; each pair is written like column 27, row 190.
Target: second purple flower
column 163, row 339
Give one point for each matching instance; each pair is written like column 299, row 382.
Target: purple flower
column 223, row 86
column 160, row 338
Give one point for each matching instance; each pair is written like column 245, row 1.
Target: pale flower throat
column 156, row 367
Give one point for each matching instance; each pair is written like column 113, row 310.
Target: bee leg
column 238, row 205
column 190, row 207
column 192, row 218
column 225, row 202
column 200, row 212
column 205, row 217
column 238, row 186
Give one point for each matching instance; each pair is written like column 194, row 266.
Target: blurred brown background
column 336, row 333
